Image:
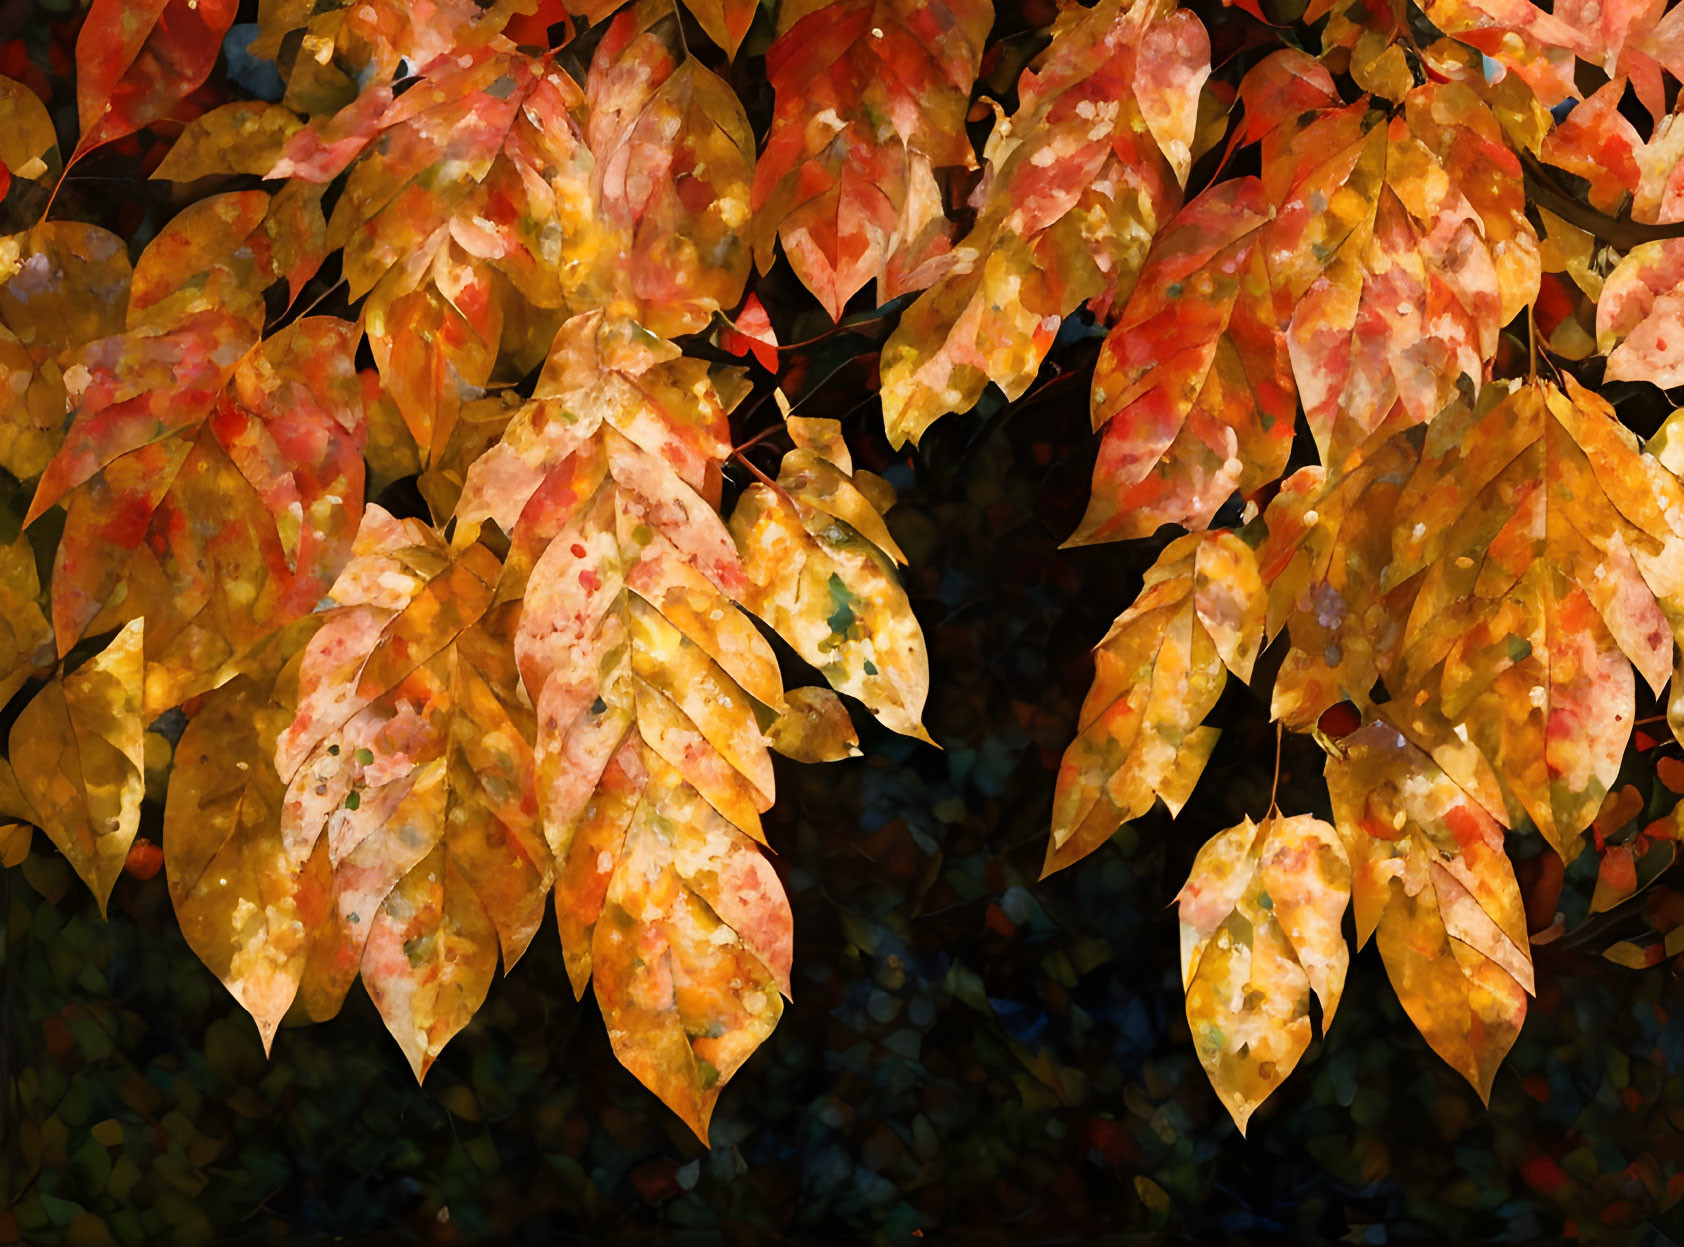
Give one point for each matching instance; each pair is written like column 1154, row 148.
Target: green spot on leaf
column 843, row 617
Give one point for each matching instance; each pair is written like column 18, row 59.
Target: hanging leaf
column 1158, row 673
column 651, row 767
column 1075, row 183
column 1260, row 916
column 137, row 59
column 820, row 566
column 1429, row 877
column 1193, row 387
column 79, row 758
column 869, row 99
column 1547, row 541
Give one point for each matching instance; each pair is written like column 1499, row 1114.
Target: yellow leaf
column 1547, row 545
column 820, row 565
column 1158, row 672
column 1430, row 878
column 245, row 136
column 814, row 727
column 245, row 905
column 80, row 758
column 1260, row 916
column 1075, row 183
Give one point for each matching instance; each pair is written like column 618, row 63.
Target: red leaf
column 137, row 59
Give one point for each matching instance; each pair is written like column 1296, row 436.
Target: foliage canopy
column 396, row 513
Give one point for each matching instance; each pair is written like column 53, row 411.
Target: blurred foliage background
column 970, row 1055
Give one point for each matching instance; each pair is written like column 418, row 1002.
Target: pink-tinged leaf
column 674, row 168
column 1075, row 184
column 1598, row 144
column 1402, row 250
column 1328, row 547
column 1625, row 39
column 1640, row 315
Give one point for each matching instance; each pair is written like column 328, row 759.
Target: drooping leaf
column 820, row 565
column 1324, row 561
column 674, row 168
column 1429, row 877
column 409, row 764
column 1075, row 184
column 220, row 505
column 1193, row 387
column 1158, row 672
column 137, row 59
column 246, row 906
column 1260, row 916
column 814, row 727
column 1402, row 248
column 1549, row 543
column 651, row 768
column 726, row 21
column 869, row 99
column 79, row 759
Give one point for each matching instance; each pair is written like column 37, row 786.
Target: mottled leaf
column 1075, row 183
column 1260, row 917
column 79, row 758
column 1193, row 387
column 1158, row 672
column 869, row 99
column 1429, row 877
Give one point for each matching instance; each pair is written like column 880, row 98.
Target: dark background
column 970, row 1054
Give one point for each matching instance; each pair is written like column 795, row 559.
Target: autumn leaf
column 726, row 21
column 1626, row 41
column 1402, row 248
column 1547, row 545
column 409, row 762
column 220, row 505
column 137, row 59
column 1324, row 560
column 674, row 166
column 869, row 99
column 814, row 727
column 1158, row 672
column 1193, row 387
column 1075, row 184
column 63, row 285
column 356, row 51
column 28, row 142
column 651, row 767
column 1429, row 877
column 246, row 136
column 78, row 754
column 1260, row 916
column 820, row 566
column 246, row 907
